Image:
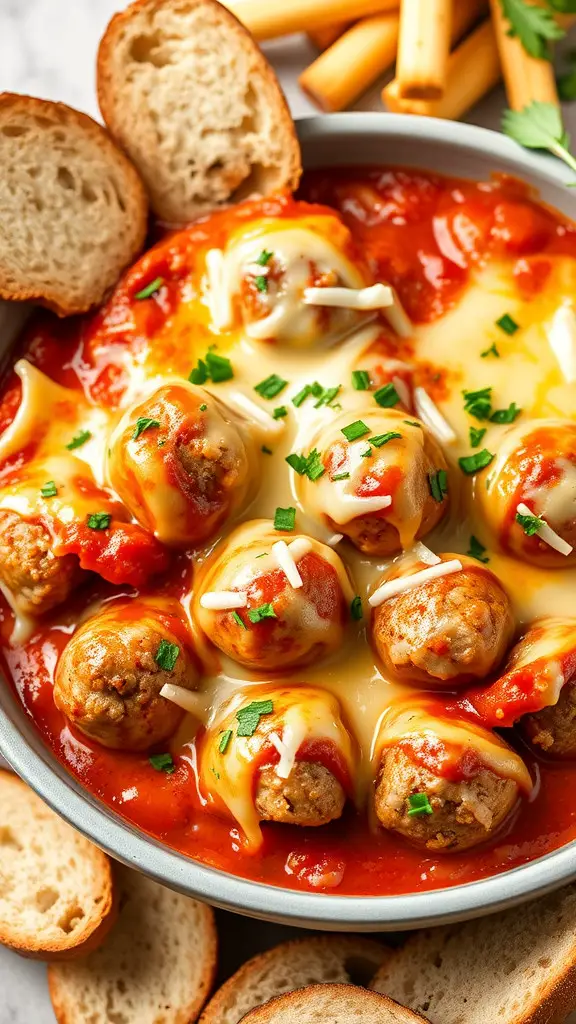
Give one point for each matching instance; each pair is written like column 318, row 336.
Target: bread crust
column 57, row 297
column 113, row 113
column 94, row 928
column 339, row 999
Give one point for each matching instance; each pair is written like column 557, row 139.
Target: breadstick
column 423, row 48
column 473, row 69
column 267, row 19
column 322, row 38
column 526, row 78
column 352, row 63
column 465, row 14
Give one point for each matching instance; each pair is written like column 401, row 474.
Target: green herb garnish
column 476, row 435
column 264, row 611
column 284, row 518
column 249, row 717
column 237, row 618
column 470, row 464
column 261, row 282
column 386, row 396
column 477, row 549
column 381, row 439
column 162, row 763
column 49, row 490
column 280, row 412
column 438, row 483
column 530, row 524
column 419, row 803
column 143, row 423
column 219, row 368
column 355, row 430
column 99, row 520
column 150, row 288
column 356, row 610
column 539, row 126
column 478, row 403
column 506, row 324
column 492, row 351
column 271, row 386
column 327, row 397
column 79, row 440
column 264, row 258
column 167, row 655
column 506, row 415
column 340, row 476
column 360, row 380
column 224, row 741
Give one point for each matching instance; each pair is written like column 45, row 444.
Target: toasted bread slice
column 56, row 894
column 73, row 211
column 347, row 959
column 186, row 92
column 518, row 967
column 157, row 965
column 332, row 1004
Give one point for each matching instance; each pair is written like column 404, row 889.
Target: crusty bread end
column 56, row 892
column 332, row 1004
column 187, row 93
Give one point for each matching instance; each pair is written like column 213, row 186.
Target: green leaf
column 167, row 655
column 249, row 717
column 506, row 415
column 381, row 439
column 219, row 367
column 143, row 423
column 162, row 763
column 149, row 290
column 492, row 351
column 49, row 490
column 264, row 611
column 476, row 435
column 419, row 803
column 237, row 619
column 261, row 283
column 564, row 6
column 356, row 608
column 507, row 324
column 355, row 430
column 224, row 741
column 530, row 524
column 264, row 258
column 473, row 463
column 539, row 126
column 360, row 380
column 79, row 440
column 534, row 26
column 438, row 483
column 98, row 520
column 477, row 549
column 478, row 403
column 271, row 386
column 280, row 412
column 387, row 396
column 284, row 518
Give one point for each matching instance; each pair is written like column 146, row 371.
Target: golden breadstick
column 423, row 48
column 267, row 19
column 465, row 14
column 352, row 63
column 526, row 78
column 473, row 69
column 322, row 38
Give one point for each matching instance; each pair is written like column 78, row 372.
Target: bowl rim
column 124, row 842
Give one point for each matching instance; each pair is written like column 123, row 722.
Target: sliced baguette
column 56, row 894
column 347, row 959
column 73, row 210
column 518, row 967
column 186, row 92
column 157, row 965
column 332, row 1004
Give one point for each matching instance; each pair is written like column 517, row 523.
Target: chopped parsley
column 99, row 520
column 506, row 415
column 340, row 476
column 360, row 380
column 144, row 423
column 203, row 407
column 386, row 396
column 355, row 430
column 79, row 440
column 470, row 464
column 249, row 717
column 478, row 403
column 167, row 655
column 315, row 468
column 280, row 412
column 261, row 282
column 162, row 763
column 328, row 395
column 49, row 490
column 476, row 435
column 477, row 550
column 381, row 439
column 530, row 524
column 263, row 611
column 438, row 483
column 419, row 803
column 356, row 608
column 237, row 618
column 492, row 351
column 149, row 290
column 224, row 741
column 366, row 454
column 271, row 386
column 264, row 258
column 213, row 367
column 285, row 518
column 314, row 389
column 507, row 324
column 199, row 375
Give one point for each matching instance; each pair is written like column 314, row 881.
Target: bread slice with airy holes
column 73, row 211
column 157, row 965
column 332, row 1004
column 56, row 890
column 346, row 959
column 187, row 93
column 518, row 967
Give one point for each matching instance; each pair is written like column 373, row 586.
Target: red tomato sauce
column 422, row 233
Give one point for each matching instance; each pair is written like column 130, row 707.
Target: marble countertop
column 48, row 49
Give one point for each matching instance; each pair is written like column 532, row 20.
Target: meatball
column 310, row 795
column 534, row 478
column 278, row 626
column 446, row 632
column 385, row 481
column 180, row 464
column 274, row 269
column 37, row 579
column 553, row 729
column 464, row 813
column 110, row 674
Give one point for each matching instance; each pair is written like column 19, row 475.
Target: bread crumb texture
column 187, row 93
column 55, row 887
column 332, row 1004
column 156, row 967
column 73, row 211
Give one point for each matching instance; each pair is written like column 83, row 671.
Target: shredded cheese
column 424, row 554
column 398, row 318
column 218, row 293
column 377, row 296
column 430, row 414
column 285, row 561
column 223, row 600
column 562, row 340
column 287, row 748
column 300, row 547
column 547, row 534
column 393, row 587
column 402, row 390
column 189, row 701
column 334, row 539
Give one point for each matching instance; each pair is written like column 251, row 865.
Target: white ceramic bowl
column 339, row 139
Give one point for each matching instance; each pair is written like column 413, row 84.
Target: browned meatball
column 110, row 674
column 310, row 795
column 35, row 576
column 464, row 814
column 553, row 729
column 450, row 630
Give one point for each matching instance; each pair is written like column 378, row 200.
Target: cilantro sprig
column 539, row 126
column 534, row 26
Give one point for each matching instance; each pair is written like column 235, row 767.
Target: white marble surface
column 48, row 48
